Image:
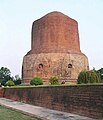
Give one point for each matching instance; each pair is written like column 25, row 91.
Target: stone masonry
column 55, row 50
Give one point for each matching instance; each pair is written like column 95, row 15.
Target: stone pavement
column 40, row 112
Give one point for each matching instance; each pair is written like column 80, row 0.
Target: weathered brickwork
column 55, row 32
column 83, row 100
column 65, row 66
column 1, row 92
column 55, row 50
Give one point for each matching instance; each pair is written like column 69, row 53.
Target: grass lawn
column 9, row 114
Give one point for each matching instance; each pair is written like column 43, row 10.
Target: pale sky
column 16, row 17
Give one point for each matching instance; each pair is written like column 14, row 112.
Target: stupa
column 55, row 50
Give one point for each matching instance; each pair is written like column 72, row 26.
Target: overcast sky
column 16, row 17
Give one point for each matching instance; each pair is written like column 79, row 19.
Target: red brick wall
column 55, row 32
column 1, row 92
column 82, row 100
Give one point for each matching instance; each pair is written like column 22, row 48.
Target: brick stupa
column 55, row 50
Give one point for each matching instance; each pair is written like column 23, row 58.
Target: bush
column 10, row 83
column 53, row 80
column 88, row 77
column 17, row 80
column 36, row 81
column 100, row 72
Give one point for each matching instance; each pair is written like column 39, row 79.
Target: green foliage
column 36, row 81
column 10, row 83
column 88, row 77
column 5, row 75
column 17, row 80
column 100, row 72
column 82, row 77
column 54, row 80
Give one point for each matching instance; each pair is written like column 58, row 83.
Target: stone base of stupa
column 65, row 66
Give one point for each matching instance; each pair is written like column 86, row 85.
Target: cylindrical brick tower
column 55, row 50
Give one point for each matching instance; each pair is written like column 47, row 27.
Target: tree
column 5, row 75
column 88, row 77
column 100, row 72
column 82, row 78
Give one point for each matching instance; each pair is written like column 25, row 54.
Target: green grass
column 9, row 114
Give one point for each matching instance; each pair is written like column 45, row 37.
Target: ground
column 8, row 114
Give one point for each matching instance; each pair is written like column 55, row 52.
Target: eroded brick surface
column 55, row 50
column 55, row 32
column 1, row 92
column 54, row 64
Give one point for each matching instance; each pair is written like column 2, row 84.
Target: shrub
column 81, row 77
column 10, row 83
column 100, row 72
column 88, row 77
column 17, row 80
column 53, row 80
column 36, row 81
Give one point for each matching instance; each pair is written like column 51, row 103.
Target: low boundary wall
column 1, row 92
column 84, row 100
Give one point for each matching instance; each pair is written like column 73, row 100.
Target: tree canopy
column 5, row 75
column 100, row 71
column 88, row 77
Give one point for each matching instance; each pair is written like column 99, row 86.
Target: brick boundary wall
column 84, row 100
column 1, row 92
